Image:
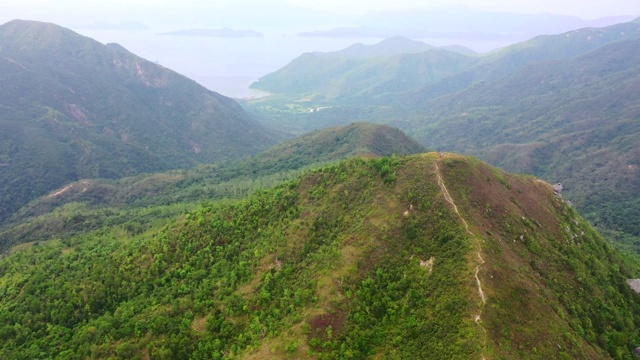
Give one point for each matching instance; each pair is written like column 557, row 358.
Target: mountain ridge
column 492, row 66
column 90, row 110
column 541, row 107
column 82, row 206
column 593, row 128
column 365, row 71
column 365, row 258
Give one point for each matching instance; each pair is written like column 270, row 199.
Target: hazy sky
column 580, row 8
column 74, row 11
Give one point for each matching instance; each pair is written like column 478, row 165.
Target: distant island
column 220, row 33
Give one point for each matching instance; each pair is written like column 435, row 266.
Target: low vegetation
column 136, row 203
column 331, row 265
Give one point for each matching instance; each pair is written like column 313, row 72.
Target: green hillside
column 391, row 66
column 397, row 65
column 562, row 107
column 138, row 202
column 574, row 122
column 426, row 256
column 72, row 108
column 502, row 63
column 384, row 89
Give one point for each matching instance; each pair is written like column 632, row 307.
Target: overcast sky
column 580, row 8
column 76, row 11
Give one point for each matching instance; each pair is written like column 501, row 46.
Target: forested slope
column 72, row 108
column 364, row 259
column 137, row 202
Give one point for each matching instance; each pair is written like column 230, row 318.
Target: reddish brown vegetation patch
column 325, row 326
column 502, row 197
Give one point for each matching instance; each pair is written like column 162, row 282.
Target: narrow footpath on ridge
column 447, row 196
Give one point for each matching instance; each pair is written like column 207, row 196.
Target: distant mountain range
column 72, row 108
column 282, row 17
column 393, row 65
column 563, row 107
column 398, row 64
column 466, row 22
column 459, row 24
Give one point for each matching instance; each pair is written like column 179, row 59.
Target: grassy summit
column 424, row 256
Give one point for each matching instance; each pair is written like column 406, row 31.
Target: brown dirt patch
column 199, row 324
